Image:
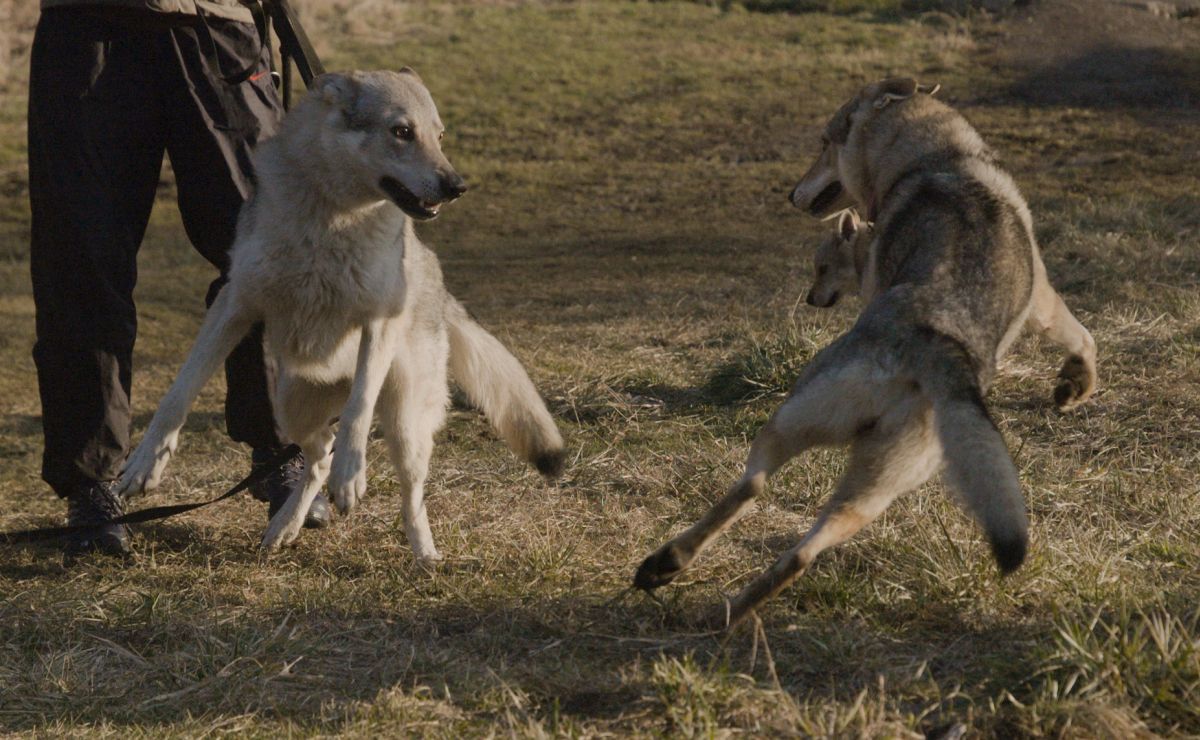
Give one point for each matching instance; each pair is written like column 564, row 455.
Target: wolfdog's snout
column 453, row 186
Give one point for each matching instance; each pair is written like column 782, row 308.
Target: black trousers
column 108, row 95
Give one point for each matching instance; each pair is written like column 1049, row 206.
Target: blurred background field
column 628, row 236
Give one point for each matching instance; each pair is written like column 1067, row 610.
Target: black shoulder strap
column 293, row 45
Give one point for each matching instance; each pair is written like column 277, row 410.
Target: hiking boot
column 277, row 486
column 96, row 503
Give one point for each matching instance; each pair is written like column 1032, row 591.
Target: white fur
column 355, row 312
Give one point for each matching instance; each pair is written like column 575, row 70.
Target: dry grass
column 627, row 234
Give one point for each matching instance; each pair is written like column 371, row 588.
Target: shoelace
column 96, row 505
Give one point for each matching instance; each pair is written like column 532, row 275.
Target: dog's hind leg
column 1050, row 316
column 285, row 526
column 412, row 407
column 883, row 464
column 837, row 395
column 303, row 411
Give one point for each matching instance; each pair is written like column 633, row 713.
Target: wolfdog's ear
column 848, row 224
column 413, row 72
column 894, row 88
column 837, row 131
column 337, row 89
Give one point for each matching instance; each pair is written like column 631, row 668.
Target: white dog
column 353, row 304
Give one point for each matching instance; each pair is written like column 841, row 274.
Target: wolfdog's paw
column 283, row 528
column 429, row 561
column 660, row 568
column 144, row 469
column 1076, row 381
column 348, row 479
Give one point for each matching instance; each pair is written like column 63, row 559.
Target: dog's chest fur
column 318, row 282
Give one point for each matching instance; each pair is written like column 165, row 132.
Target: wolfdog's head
column 837, row 263
column 832, row 181
column 384, row 134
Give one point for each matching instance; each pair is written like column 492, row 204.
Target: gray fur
column 952, row 273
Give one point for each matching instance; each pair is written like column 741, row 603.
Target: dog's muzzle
column 422, row 210
column 811, row 299
column 825, row 199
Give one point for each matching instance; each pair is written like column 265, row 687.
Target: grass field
column 628, row 235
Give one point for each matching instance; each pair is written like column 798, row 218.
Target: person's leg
column 95, row 150
column 212, row 133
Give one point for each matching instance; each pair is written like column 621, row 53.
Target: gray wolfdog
column 840, row 262
column 353, row 305
column 955, row 274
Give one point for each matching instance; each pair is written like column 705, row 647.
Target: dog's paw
column 429, row 561
column 1076, row 382
column 348, row 479
column 144, row 469
column 284, row 527
column 660, row 568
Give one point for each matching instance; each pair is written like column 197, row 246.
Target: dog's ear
column 413, row 73
column 894, row 88
column 900, row 88
column 337, row 90
column 343, row 92
column 837, row 131
column 848, row 224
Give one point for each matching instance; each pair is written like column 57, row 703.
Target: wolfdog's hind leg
column 883, row 464
column 284, row 527
column 829, row 404
column 1051, row 317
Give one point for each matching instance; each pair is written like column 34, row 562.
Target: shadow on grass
column 1107, row 78
column 584, row 659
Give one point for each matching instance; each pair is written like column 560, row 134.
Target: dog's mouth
column 422, row 210
column 813, row 300
column 825, row 199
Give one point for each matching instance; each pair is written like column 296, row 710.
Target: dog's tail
column 496, row 383
column 978, row 462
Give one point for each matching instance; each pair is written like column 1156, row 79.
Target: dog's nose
column 454, row 186
column 810, row 299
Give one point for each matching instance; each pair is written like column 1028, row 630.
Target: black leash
column 257, row 475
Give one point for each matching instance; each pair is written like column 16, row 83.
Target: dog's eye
column 441, row 136
column 403, row 133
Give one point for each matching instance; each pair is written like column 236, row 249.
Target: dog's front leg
column 348, row 475
column 225, row 324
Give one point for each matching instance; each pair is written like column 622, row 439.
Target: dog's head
column 835, row 270
column 823, row 189
column 387, row 132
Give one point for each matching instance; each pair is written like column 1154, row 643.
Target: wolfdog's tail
column 978, row 462
column 495, row 382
